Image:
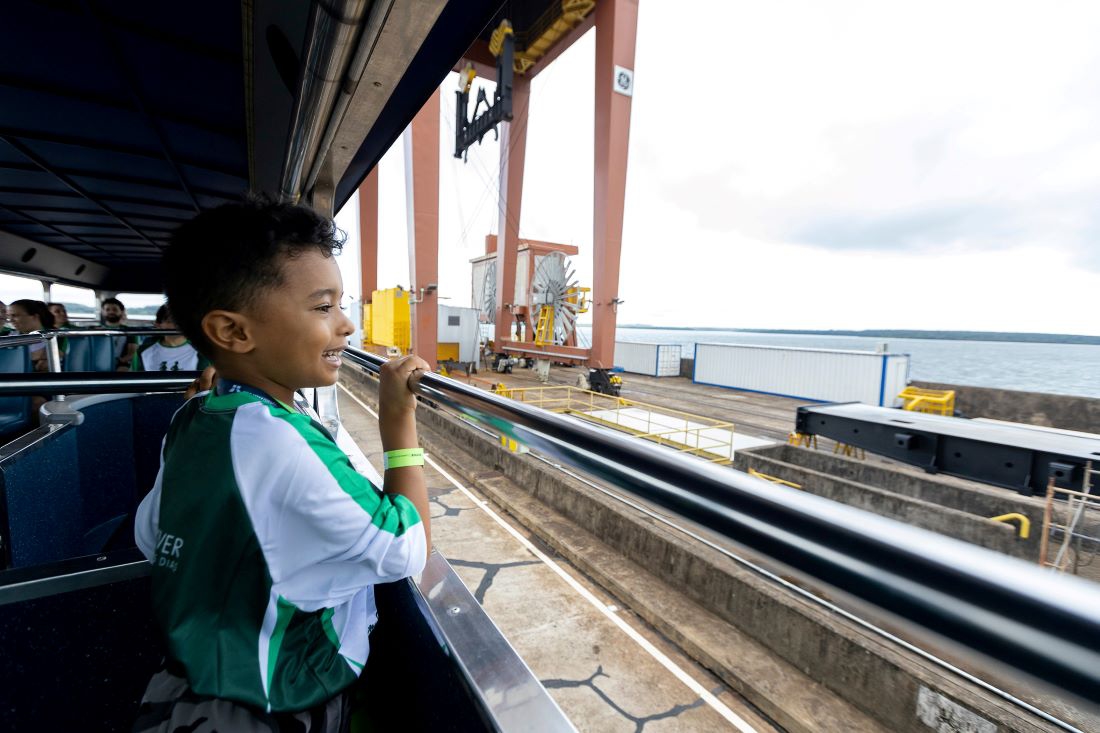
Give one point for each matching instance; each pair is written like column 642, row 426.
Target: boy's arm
column 397, row 424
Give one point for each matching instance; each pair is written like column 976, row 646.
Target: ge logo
column 624, row 81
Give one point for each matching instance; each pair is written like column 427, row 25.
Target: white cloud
column 800, row 164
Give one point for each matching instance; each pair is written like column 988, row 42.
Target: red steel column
column 368, row 235
column 422, row 185
column 513, row 150
column 616, row 30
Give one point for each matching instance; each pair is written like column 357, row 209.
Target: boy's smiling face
column 297, row 329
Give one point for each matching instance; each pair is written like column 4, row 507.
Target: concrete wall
column 879, row 679
column 870, row 488
column 1034, row 408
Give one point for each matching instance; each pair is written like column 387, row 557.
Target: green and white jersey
column 156, row 356
column 265, row 544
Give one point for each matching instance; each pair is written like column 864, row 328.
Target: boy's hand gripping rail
column 1039, row 624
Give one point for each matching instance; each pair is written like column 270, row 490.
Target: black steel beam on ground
column 1017, row 457
column 1010, row 611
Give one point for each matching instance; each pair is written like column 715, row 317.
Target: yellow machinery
column 557, row 21
column 387, row 320
column 932, row 401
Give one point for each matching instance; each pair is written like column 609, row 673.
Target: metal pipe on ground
column 1006, row 610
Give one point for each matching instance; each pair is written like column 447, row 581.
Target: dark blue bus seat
column 90, row 354
column 73, row 491
column 15, row 412
column 80, row 645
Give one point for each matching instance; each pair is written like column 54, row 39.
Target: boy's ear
column 228, row 330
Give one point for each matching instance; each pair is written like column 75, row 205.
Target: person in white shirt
column 171, row 353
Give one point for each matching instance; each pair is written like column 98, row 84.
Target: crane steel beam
column 1017, row 457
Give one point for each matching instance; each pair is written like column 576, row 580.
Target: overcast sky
column 814, row 165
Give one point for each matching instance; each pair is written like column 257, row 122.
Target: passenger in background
column 112, row 314
column 61, row 317
column 28, row 316
column 167, row 353
column 5, row 329
column 61, row 321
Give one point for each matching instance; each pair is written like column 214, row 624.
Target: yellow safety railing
column 774, row 479
column 705, row 437
column 933, row 401
column 1025, row 523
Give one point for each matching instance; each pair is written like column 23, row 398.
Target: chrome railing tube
column 1004, row 609
column 70, row 383
column 37, row 337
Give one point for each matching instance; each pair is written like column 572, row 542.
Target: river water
column 1059, row 368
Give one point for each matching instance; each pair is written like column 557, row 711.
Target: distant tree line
column 1039, row 338
column 140, row 310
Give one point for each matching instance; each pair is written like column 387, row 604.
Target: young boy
column 167, row 353
column 265, row 542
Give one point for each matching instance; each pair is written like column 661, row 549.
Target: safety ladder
column 544, row 329
column 1080, row 509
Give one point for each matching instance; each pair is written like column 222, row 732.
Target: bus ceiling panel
column 66, row 89
column 190, row 145
column 26, row 200
column 60, row 215
column 50, row 262
column 82, row 149
column 49, row 40
column 170, row 80
column 455, row 28
column 106, row 190
column 51, row 115
column 31, row 180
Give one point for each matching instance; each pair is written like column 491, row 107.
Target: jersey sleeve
column 326, row 532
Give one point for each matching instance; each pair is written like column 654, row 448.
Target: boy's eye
column 325, row 308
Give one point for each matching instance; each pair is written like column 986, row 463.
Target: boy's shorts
column 169, row 705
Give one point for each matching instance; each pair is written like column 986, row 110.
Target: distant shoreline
column 1034, row 338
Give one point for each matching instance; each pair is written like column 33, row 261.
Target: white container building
column 655, row 360
column 824, row 375
column 459, row 326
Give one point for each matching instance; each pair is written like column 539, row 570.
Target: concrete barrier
column 1033, row 408
column 879, row 679
column 922, row 502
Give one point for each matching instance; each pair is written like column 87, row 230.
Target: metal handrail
column 72, row 383
column 37, row 337
column 1002, row 608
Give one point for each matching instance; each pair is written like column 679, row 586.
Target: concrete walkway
column 604, row 666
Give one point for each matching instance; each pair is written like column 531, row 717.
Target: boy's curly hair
column 225, row 257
